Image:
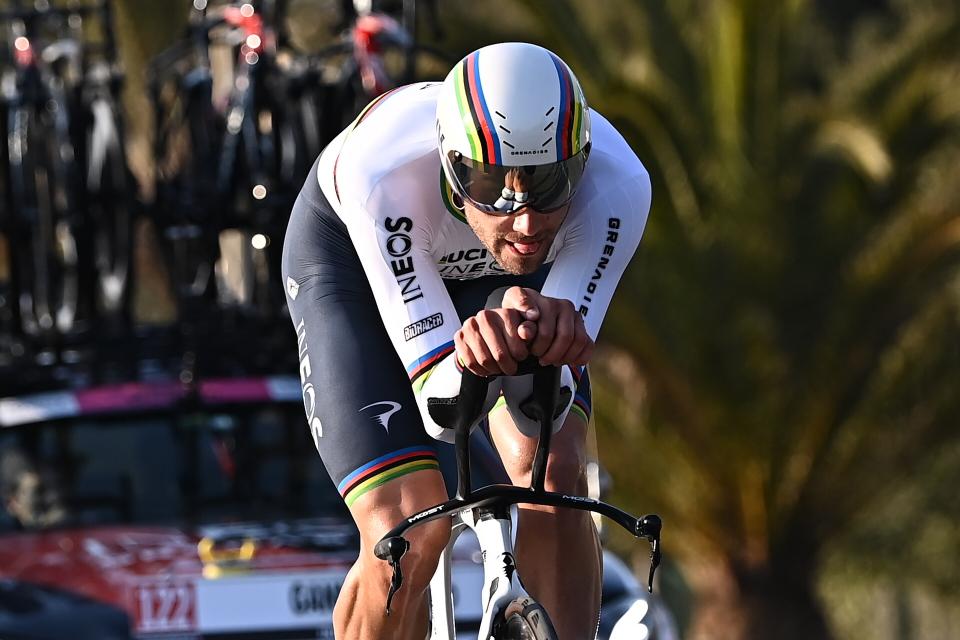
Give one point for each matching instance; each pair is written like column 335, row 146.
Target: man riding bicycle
column 435, row 196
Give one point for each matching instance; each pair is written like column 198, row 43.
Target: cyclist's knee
column 566, row 466
column 381, row 511
column 566, row 472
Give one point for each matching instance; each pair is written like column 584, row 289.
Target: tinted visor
column 503, row 190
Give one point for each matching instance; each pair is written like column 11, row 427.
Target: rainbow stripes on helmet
column 570, row 113
column 477, row 116
column 483, row 138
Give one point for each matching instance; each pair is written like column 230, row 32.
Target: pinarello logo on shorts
column 420, row 327
column 293, row 288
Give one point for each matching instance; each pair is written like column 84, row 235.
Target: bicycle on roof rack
column 225, row 163
column 69, row 227
column 109, row 184
column 240, row 117
column 509, row 613
column 378, row 48
column 43, row 225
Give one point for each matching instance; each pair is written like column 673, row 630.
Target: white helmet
column 508, row 106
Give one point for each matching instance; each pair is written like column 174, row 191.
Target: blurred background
column 779, row 375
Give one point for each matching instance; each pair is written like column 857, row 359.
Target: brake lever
column 392, row 550
column 655, row 557
column 395, row 583
column 649, row 527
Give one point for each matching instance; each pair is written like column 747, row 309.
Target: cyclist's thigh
column 357, row 396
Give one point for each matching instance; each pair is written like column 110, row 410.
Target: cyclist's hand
column 560, row 336
column 490, row 343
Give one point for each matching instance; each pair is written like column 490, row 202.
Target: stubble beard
column 497, row 247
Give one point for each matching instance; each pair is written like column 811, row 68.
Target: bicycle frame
column 495, row 535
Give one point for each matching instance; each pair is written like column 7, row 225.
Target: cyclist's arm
column 416, row 310
column 598, row 244
column 413, row 303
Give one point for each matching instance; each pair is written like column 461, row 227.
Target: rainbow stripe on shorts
column 381, row 470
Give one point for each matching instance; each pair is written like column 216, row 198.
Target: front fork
column 501, row 581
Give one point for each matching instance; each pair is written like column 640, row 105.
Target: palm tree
column 788, row 357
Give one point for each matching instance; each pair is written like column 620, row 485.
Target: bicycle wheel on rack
column 111, row 208
column 186, row 151
column 524, row 619
column 46, row 251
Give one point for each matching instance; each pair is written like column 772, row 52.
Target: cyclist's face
column 520, row 241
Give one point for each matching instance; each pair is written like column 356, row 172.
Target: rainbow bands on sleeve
column 419, row 370
column 581, row 399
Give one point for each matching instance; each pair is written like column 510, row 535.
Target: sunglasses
column 504, row 191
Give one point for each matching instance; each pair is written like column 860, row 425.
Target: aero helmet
column 513, row 107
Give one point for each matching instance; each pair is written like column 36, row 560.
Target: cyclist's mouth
column 525, row 248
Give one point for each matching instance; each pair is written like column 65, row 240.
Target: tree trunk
column 753, row 604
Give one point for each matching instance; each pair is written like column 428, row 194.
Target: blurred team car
column 154, row 510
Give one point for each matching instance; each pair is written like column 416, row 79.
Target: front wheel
column 524, row 619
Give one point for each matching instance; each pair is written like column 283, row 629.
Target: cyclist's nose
column 527, row 222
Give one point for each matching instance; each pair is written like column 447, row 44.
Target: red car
column 199, row 514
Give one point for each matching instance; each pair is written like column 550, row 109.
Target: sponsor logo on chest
column 468, row 263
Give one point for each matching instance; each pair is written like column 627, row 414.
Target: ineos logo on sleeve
column 384, row 416
column 398, row 245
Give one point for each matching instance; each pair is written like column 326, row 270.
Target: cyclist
column 437, row 195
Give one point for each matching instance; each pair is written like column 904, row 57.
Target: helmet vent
column 549, row 124
column 550, row 111
column 505, row 129
column 500, row 114
column 548, row 140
